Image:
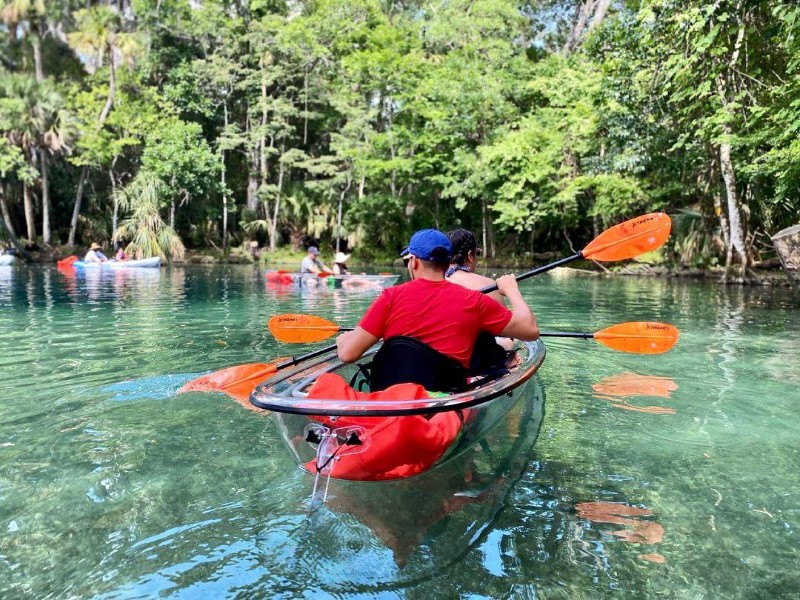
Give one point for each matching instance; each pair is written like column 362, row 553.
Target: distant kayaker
column 340, row 264
column 120, row 255
column 94, row 255
column 312, row 264
column 432, row 318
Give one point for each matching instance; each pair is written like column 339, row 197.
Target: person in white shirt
column 94, row 254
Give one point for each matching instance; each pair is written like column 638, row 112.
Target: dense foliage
column 353, row 122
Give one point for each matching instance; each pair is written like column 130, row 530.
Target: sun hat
column 429, row 244
column 95, row 246
column 313, row 250
column 341, row 257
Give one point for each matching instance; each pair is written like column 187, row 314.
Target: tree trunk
column 224, row 184
column 112, row 90
column 9, row 226
column 600, row 12
column 115, row 200
column 36, row 43
column 582, row 14
column 339, row 214
column 737, row 237
column 30, row 221
column 484, row 227
column 172, row 214
column 274, row 225
column 713, row 184
column 252, row 169
column 76, row 211
column 46, row 234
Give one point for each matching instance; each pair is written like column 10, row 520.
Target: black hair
column 463, row 242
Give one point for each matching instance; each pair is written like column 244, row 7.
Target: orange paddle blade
column 631, row 238
column 639, row 337
column 301, row 329
column 236, row 381
column 67, row 262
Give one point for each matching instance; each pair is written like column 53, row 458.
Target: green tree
column 101, row 40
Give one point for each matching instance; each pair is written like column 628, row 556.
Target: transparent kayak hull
column 345, row 282
column 369, row 440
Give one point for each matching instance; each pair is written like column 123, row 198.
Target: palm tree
column 39, row 126
column 15, row 12
column 144, row 230
column 99, row 38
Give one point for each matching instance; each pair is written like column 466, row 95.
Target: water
column 644, row 475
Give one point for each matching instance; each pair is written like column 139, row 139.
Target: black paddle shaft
column 537, row 270
column 567, row 334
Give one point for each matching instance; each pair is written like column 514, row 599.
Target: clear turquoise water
column 111, row 486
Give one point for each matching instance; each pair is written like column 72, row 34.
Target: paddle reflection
column 616, row 388
column 639, row 529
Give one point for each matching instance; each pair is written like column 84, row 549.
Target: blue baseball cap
column 313, row 250
column 429, row 244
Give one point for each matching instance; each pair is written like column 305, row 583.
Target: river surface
column 674, row 475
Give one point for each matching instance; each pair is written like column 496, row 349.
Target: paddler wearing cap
column 433, row 317
column 94, row 255
column 312, row 264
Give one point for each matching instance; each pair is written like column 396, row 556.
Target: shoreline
column 774, row 276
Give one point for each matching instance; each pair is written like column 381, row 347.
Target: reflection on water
column 638, row 531
column 618, row 388
column 112, row 486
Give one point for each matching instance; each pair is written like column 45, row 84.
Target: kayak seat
column 488, row 357
column 404, row 359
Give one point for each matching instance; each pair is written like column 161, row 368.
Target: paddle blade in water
column 236, row 381
column 67, row 262
column 640, row 337
column 301, row 329
column 629, row 239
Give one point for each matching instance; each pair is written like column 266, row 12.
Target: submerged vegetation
column 161, row 123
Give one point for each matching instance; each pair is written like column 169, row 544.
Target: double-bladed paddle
column 627, row 240
column 623, row 241
column 636, row 337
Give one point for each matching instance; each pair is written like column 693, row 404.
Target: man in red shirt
column 445, row 316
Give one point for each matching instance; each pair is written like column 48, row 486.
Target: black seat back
column 404, row 359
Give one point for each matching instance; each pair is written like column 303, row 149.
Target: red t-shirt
column 444, row 315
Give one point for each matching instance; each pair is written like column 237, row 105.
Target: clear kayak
column 144, row 263
column 384, row 438
column 346, row 282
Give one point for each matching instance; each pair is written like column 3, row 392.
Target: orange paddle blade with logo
column 639, row 337
column 630, row 238
column 301, row 329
